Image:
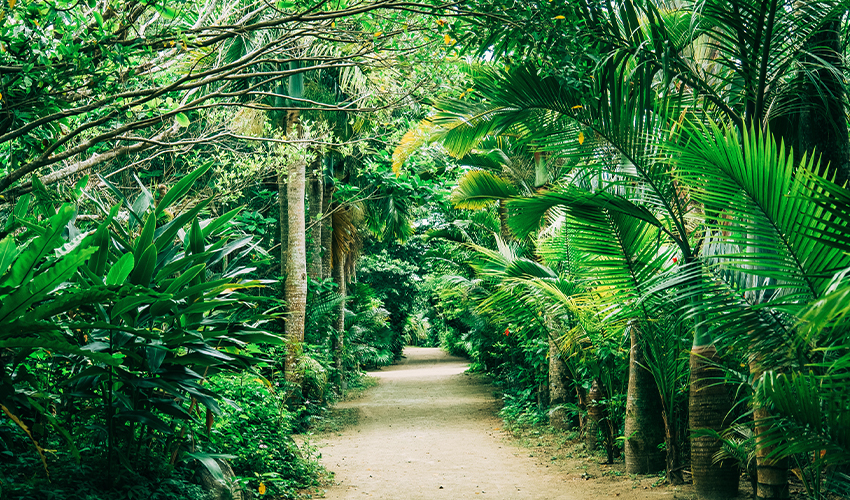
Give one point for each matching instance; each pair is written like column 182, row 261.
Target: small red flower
column 508, row 332
column 675, row 260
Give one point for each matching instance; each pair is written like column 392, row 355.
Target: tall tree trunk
column 709, row 404
column 339, row 340
column 644, row 423
column 597, row 419
column 283, row 207
column 296, row 276
column 315, row 194
column 771, row 473
column 327, row 228
column 559, row 390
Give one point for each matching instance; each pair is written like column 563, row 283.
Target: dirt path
column 429, row 431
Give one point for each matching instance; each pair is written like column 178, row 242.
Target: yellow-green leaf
column 182, row 119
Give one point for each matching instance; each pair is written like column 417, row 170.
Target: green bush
column 256, row 427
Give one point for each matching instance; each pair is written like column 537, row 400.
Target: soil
column 429, row 430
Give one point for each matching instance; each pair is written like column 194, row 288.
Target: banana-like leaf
column 8, row 252
column 16, row 304
column 180, row 189
column 119, row 272
column 62, row 347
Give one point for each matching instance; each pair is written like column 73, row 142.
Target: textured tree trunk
column 327, row 229
column 644, row 423
column 296, row 276
column 559, row 390
column 504, row 230
column 283, row 207
column 597, row 413
column 581, row 397
column 771, row 474
column 315, row 203
column 709, row 405
column 339, row 340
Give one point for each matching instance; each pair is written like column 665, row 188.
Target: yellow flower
column 560, row 17
column 379, row 34
column 448, row 40
column 262, row 489
column 581, row 138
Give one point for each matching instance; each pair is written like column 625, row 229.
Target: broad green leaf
column 42, row 284
column 181, row 188
column 185, row 278
column 196, row 238
column 19, row 212
column 220, row 222
column 102, row 239
column 120, row 270
column 144, row 268
column 145, row 237
column 182, row 119
column 60, row 346
column 70, row 300
column 130, row 303
column 26, row 264
column 8, row 252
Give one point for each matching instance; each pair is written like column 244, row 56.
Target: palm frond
column 478, row 188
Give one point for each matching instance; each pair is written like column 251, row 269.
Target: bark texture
column 597, row 419
column 339, row 340
column 709, row 404
column 559, row 389
column 315, row 193
column 771, row 474
column 296, row 276
column 327, row 229
column 644, row 423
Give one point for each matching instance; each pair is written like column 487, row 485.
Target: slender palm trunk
column 709, row 405
column 327, row 229
column 339, row 340
column 644, row 422
column 296, row 276
column 283, row 207
column 315, row 194
column 597, row 413
column 771, row 473
column 559, row 390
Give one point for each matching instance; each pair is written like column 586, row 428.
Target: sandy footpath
column 429, row 431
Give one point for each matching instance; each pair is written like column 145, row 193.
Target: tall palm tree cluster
column 688, row 189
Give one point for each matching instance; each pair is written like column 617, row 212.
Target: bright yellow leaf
column 577, row 107
column 449, row 40
column 379, row 34
column 560, row 17
column 581, row 137
column 333, row 24
column 12, row 3
column 262, row 489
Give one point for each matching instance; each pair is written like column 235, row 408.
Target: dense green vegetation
column 215, row 215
